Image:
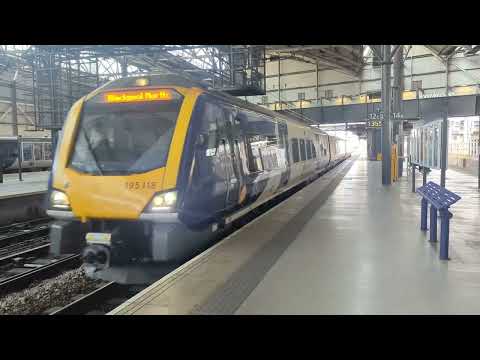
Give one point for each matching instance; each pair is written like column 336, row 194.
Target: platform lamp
column 301, row 98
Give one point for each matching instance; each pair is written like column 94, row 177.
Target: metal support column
column 124, row 67
column 279, row 86
column 20, row 155
column 444, row 149
column 13, row 97
column 386, row 132
column 445, row 129
column 424, row 171
column 398, row 85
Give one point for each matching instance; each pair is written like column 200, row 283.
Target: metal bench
column 440, row 200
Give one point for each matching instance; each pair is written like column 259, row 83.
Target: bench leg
column 433, row 224
column 423, row 219
column 444, row 234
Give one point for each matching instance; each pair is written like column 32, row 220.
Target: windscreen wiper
column 91, row 151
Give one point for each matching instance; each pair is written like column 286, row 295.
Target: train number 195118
column 138, row 185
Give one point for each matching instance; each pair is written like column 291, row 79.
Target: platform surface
column 363, row 253
column 33, row 182
column 345, row 244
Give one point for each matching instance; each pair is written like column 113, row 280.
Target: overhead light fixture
column 142, row 82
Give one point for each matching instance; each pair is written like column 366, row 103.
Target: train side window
column 27, row 151
column 38, row 151
column 268, row 146
column 309, row 149
column 243, row 157
column 303, row 155
column 295, row 152
column 314, row 151
column 254, row 152
column 325, row 146
column 212, row 119
column 47, row 151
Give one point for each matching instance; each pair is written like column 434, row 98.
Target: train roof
column 8, row 138
column 177, row 80
column 15, row 138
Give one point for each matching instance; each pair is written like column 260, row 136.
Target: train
column 36, row 153
column 150, row 169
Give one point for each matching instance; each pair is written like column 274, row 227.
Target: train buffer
column 440, row 199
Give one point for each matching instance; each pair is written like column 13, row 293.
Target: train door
column 284, row 160
column 232, row 160
column 332, row 149
column 207, row 179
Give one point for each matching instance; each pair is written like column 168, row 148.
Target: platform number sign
column 374, row 123
column 375, row 120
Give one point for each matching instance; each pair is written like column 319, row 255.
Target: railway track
column 100, row 301
column 29, row 271
column 19, row 232
column 24, row 255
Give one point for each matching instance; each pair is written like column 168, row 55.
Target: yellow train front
column 150, row 170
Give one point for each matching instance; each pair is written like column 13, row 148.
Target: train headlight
column 59, row 200
column 164, row 202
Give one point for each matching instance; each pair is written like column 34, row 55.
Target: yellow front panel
column 111, row 197
column 179, row 136
column 119, row 197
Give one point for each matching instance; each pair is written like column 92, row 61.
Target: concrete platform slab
column 363, row 253
column 33, row 182
column 349, row 247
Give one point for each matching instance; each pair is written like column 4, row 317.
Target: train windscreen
column 120, row 138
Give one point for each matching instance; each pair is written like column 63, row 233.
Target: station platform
column 23, row 200
column 344, row 244
column 33, row 182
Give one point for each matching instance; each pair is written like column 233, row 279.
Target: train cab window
column 314, row 151
column 295, row 152
column 27, row 151
column 122, row 139
column 309, row 149
column 47, row 151
column 303, row 155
